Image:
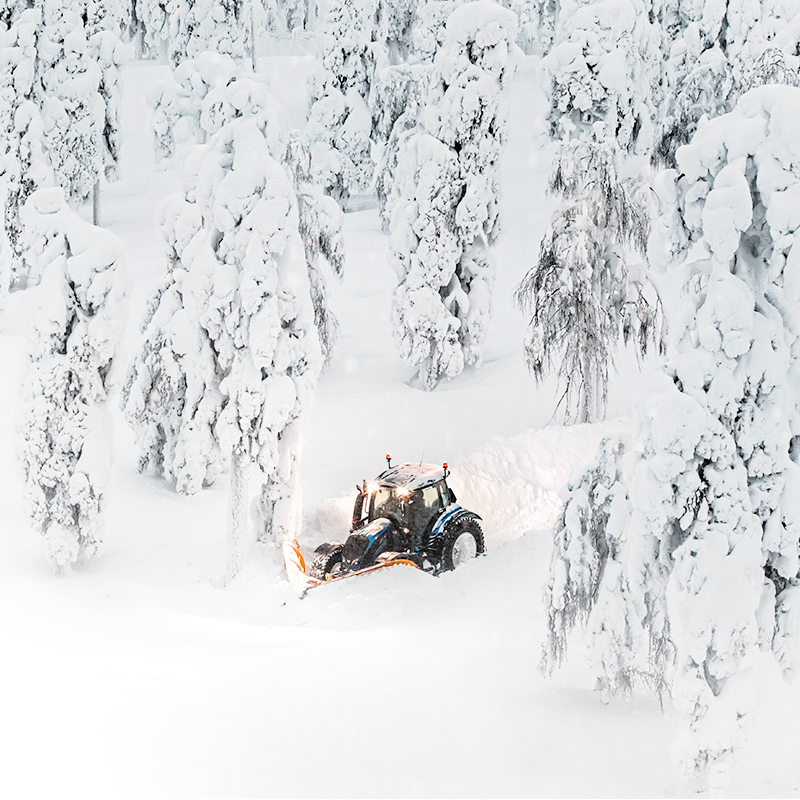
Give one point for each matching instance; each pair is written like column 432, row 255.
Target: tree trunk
column 96, row 202
column 252, row 37
column 588, row 390
column 237, row 516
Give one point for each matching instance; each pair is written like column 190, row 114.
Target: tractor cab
column 412, row 496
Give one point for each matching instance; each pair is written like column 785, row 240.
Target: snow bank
column 513, row 483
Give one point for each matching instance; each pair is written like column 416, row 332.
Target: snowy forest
column 251, row 248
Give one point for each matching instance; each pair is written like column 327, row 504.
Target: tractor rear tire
column 325, row 563
column 462, row 541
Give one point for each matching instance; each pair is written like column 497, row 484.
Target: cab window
column 430, row 498
column 384, row 502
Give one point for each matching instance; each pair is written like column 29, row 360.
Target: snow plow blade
column 296, row 565
column 296, row 568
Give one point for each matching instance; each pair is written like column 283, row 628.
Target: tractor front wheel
column 325, row 563
column 463, row 541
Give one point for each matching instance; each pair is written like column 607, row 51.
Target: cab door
column 429, row 507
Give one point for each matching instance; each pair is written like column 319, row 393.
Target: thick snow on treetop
column 477, row 59
column 768, row 111
column 603, row 70
column 91, row 250
column 203, row 94
column 717, row 199
column 488, row 28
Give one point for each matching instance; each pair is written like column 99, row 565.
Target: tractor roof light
column 389, row 460
column 402, row 491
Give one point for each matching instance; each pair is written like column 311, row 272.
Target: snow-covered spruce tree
column 346, row 35
column 398, row 78
column 398, row 89
column 337, row 134
column 583, row 294
column 604, row 70
column 321, row 231
column 428, row 28
column 167, row 111
column 599, row 580
column 72, row 108
column 113, row 16
column 398, row 94
column 23, row 165
column 698, row 526
column 198, row 99
column 403, row 68
column 66, row 428
column 536, row 22
column 150, row 25
column 231, row 352
column 171, row 397
column 207, row 92
column 532, row 23
column 221, row 26
column 177, row 102
column 538, row 26
column 699, row 83
column 296, row 15
column 269, row 349
column 202, row 95
column 5, row 251
column 107, row 51
column 447, row 213
column 60, row 110
column 397, row 101
column 393, row 23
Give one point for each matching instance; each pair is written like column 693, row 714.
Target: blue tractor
column 407, row 514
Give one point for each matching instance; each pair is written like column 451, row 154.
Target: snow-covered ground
column 136, row 675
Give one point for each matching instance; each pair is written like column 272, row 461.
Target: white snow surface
column 136, row 676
